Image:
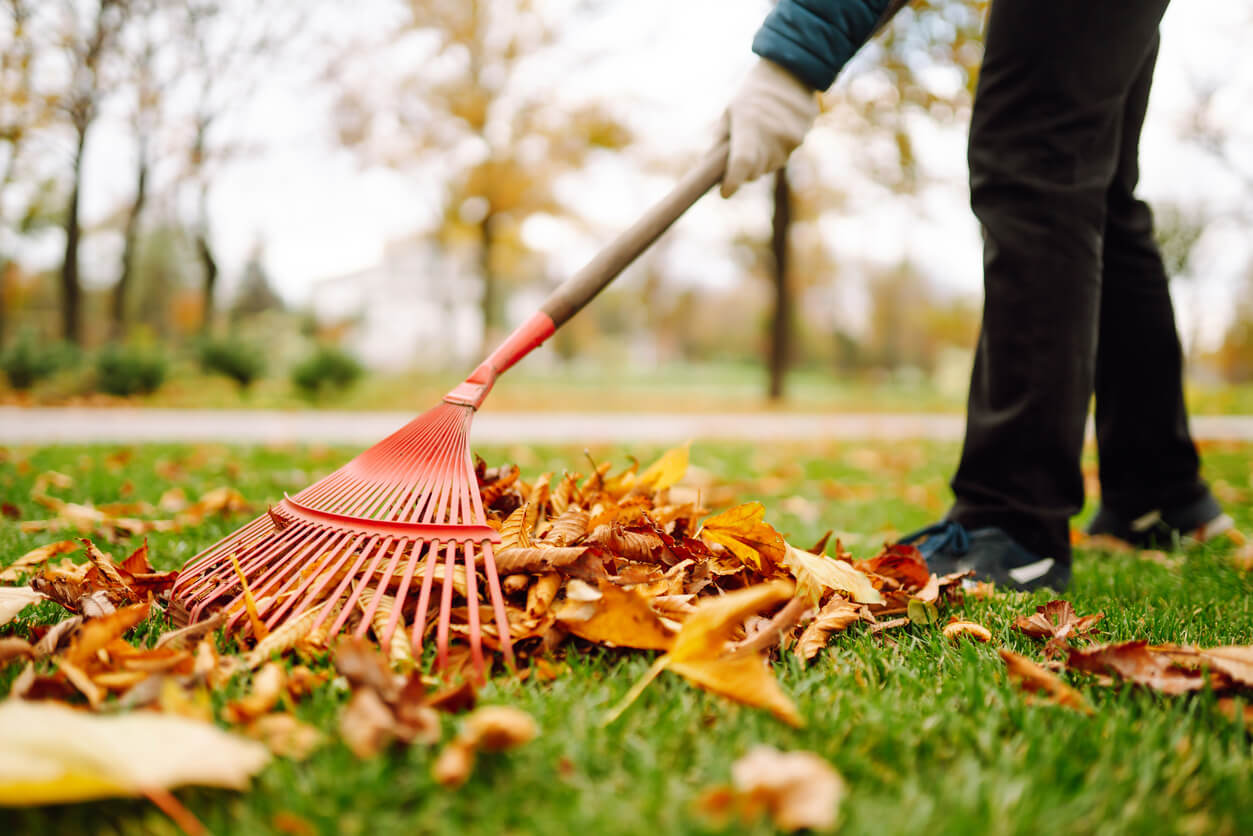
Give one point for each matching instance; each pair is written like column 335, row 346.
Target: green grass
column 929, row 736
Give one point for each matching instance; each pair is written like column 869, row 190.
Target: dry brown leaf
column 267, row 688
column 367, row 724
column 568, row 528
column 1233, row 710
column 1033, row 679
column 1137, row 662
column 453, row 766
column 286, row 736
column 14, row 599
column 958, row 629
column 37, row 557
column 95, row 633
column 836, row 615
column 495, row 728
column 536, row 559
column 53, row 754
column 1056, row 619
column 11, row 647
column 798, row 790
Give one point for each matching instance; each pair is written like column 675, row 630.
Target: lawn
column 928, row 735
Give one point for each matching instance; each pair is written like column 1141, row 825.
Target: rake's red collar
column 526, row 338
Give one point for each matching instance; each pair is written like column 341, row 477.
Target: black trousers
column 1076, row 298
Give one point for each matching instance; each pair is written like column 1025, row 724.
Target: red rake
column 408, row 508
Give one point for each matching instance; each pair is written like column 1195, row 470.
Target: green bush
column 327, row 369
column 129, row 370
column 240, row 361
column 30, row 360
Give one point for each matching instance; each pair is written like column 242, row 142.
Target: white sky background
column 669, row 66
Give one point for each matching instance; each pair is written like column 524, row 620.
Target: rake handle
column 581, row 288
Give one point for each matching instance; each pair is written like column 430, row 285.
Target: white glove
column 768, row 117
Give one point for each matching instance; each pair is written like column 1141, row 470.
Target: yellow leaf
column 816, row 573
column 51, row 754
column 666, row 471
column 619, row 618
column 715, row 620
column 745, row 678
column 14, row 599
column 742, row 531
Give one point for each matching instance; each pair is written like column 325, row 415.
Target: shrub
column 240, row 361
column 30, row 360
column 129, row 370
column 326, row 369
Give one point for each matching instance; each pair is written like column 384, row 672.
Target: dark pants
column 1076, row 298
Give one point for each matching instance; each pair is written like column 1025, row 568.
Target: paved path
column 82, row 425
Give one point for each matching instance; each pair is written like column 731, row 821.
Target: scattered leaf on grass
column 836, row 615
column 1138, row 662
column 14, row 599
column 797, row 790
column 1033, row 679
column 492, row 728
column 52, row 754
column 958, row 629
column 1056, row 619
column 37, row 557
column 285, row 736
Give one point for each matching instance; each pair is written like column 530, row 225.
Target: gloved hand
column 765, row 121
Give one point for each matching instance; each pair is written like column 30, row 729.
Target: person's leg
column 1148, row 463
column 1045, row 140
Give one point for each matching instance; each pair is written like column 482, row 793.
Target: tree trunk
column 71, row 293
column 781, row 321
column 210, row 265
column 491, row 284
column 129, row 246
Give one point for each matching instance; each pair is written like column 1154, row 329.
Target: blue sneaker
column 992, row 554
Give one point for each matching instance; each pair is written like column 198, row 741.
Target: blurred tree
column 457, row 101
column 87, row 35
column 255, row 294
column 226, row 47
column 149, row 69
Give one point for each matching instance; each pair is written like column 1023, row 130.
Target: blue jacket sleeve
column 814, row 39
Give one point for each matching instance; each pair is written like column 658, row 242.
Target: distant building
column 417, row 308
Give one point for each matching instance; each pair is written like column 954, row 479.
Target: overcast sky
column 670, row 65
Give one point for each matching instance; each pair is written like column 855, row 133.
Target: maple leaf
column 1056, row 620
column 902, row 563
column 742, row 532
column 1033, row 679
column 51, row 754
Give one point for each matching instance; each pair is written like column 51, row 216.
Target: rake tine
column 338, row 623
column 343, row 586
column 472, row 612
column 498, row 605
column 381, row 589
column 424, row 597
column 401, row 593
column 445, row 609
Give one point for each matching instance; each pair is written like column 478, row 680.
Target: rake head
column 365, row 540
